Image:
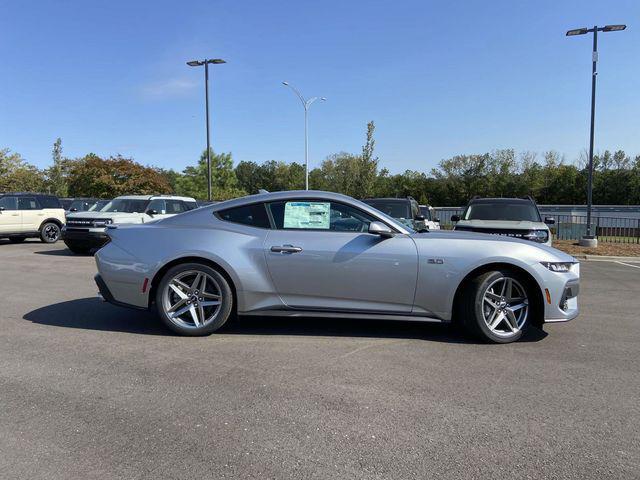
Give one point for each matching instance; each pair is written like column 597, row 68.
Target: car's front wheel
column 497, row 306
column 50, row 232
column 194, row 299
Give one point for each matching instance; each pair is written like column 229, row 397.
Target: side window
column 158, row 205
column 191, row 205
column 319, row 215
column 49, row 202
column 253, row 215
column 27, row 203
column 9, row 203
column 176, row 206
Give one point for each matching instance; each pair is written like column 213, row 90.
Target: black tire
column 226, row 300
column 50, row 232
column 473, row 303
column 17, row 239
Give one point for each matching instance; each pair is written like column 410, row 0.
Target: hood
column 545, row 253
column 502, row 224
column 117, row 217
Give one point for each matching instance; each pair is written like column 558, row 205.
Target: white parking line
column 628, row 264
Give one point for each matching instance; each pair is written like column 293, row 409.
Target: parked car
column 405, row 210
column 24, row 215
column 82, row 204
column 85, row 231
column 512, row 217
column 320, row 254
column 431, row 220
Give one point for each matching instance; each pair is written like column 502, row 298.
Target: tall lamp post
column 199, row 63
column 589, row 240
column 306, row 104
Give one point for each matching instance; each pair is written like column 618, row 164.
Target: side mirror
column 420, row 218
column 379, row 228
column 1, row 209
column 436, row 220
column 151, row 212
column 74, row 209
column 549, row 220
column 455, row 218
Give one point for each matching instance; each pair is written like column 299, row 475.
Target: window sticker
column 306, row 215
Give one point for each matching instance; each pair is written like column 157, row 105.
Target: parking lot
column 90, row 390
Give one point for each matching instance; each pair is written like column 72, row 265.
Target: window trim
column 311, row 199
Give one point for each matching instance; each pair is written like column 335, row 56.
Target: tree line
column 549, row 178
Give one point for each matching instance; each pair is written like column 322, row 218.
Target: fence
column 573, row 227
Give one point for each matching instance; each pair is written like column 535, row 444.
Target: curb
column 605, row 258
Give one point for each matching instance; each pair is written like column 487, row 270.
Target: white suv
column 25, row 215
column 85, row 231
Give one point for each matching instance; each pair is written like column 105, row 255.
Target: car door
column 32, row 214
column 10, row 216
column 320, row 257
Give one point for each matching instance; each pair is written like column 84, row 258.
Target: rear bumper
column 107, row 296
column 84, row 239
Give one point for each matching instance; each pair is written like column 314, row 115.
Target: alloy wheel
column 51, row 232
column 505, row 307
column 192, row 299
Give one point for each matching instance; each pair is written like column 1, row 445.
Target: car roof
column 30, row 194
column 152, row 197
column 388, row 199
column 501, row 200
column 302, row 194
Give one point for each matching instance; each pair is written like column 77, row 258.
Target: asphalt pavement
column 89, row 390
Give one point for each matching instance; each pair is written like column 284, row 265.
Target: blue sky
column 439, row 78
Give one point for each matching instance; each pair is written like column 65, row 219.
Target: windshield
column 99, row 205
column 425, row 212
column 502, row 211
column 392, row 208
column 126, row 205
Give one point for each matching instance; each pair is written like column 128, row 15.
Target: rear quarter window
column 49, row 202
column 252, row 215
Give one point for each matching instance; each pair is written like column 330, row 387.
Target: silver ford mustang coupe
column 321, row 254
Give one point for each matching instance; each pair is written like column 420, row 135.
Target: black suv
column 405, row 210
column 25, row 215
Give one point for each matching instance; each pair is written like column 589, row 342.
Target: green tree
column 224, row 183
column 18, row 175
column 92, row 176
column 56, row 181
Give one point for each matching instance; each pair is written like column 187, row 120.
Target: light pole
column 589, row 240
column 199, row 63
column 306, row 104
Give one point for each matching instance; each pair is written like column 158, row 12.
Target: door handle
column 286, row 249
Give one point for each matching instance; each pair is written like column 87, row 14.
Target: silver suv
column 85, row 231
column 512, row 217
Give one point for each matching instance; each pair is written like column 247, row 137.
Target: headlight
column 540, row 236
column 559, row 266
column 102, row 222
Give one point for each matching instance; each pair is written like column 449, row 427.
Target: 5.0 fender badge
column 438, row 261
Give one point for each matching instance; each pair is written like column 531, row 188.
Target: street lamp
column 306, row 104
column 199, row 63
column 589, row 240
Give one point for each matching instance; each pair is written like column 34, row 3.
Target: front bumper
column 84, row 238
column 560, row 293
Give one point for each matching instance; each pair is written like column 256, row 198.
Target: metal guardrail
column 573, row 227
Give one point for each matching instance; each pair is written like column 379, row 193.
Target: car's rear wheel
column 194, row 299
column 497, row 306
column 50, row 232
column 17, row 239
